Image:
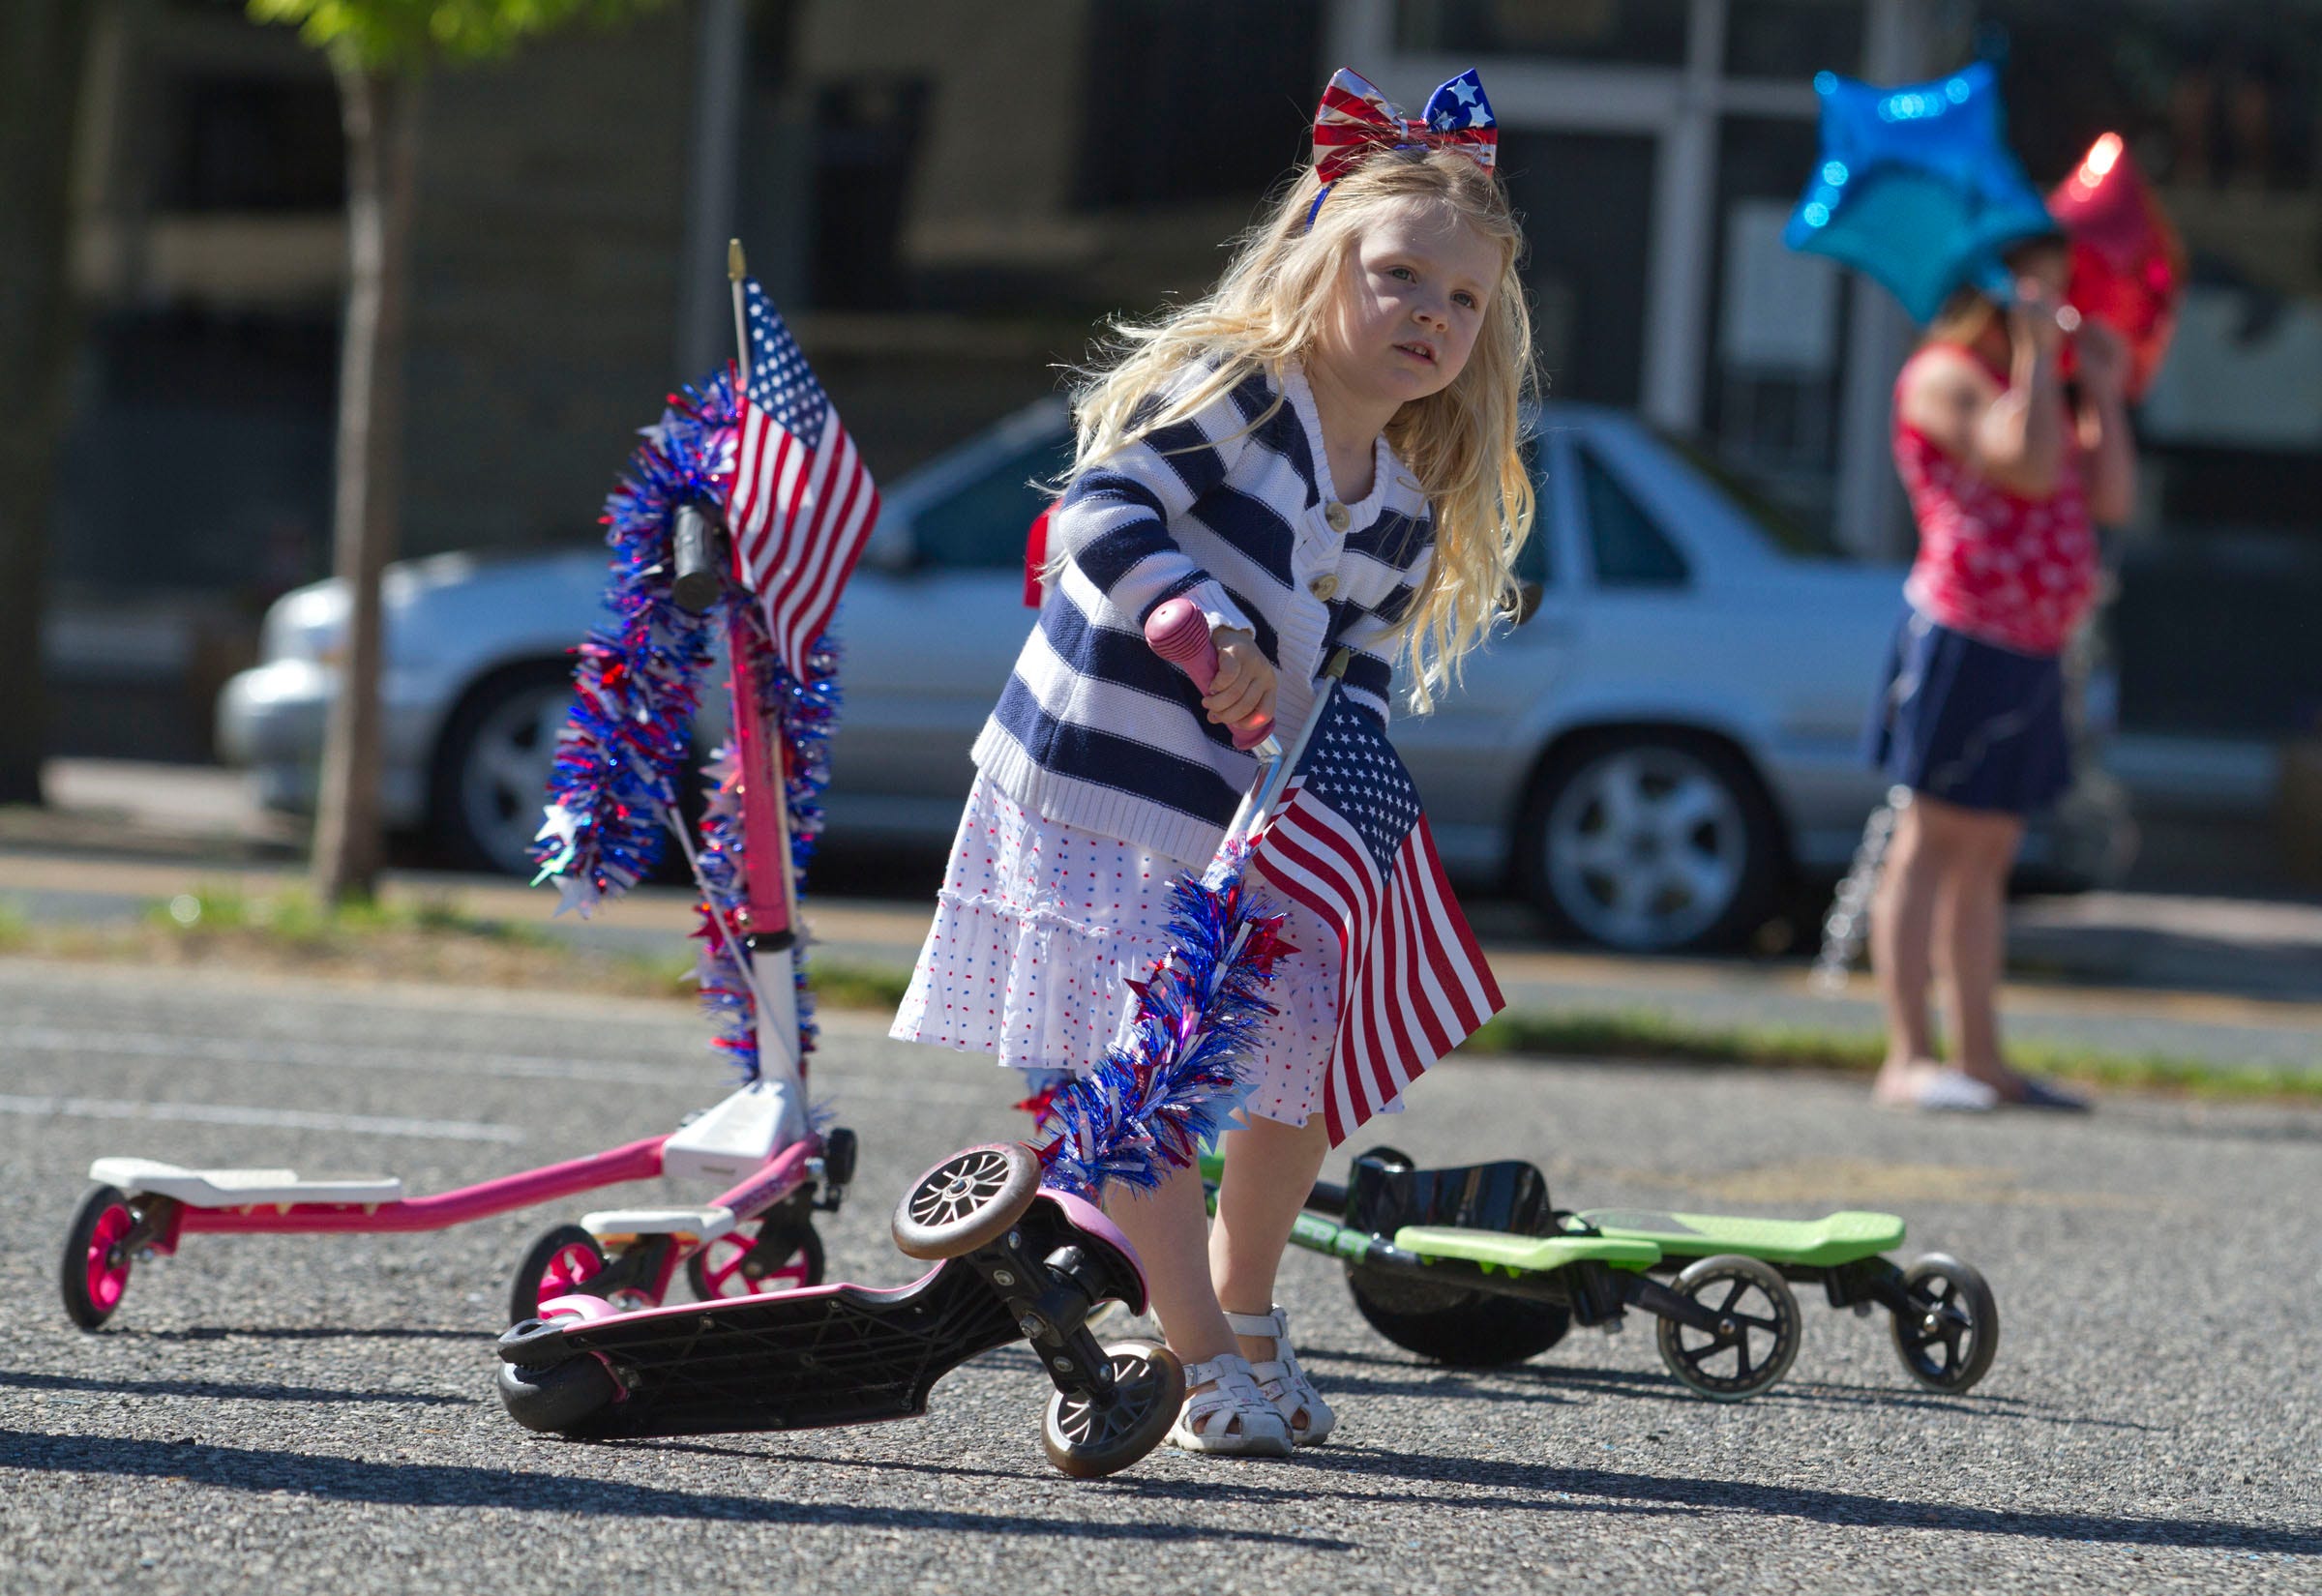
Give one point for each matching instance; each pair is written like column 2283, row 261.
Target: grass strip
column 296, row 920
column 1646, row 1034
column 437, row 939
column 426, row 940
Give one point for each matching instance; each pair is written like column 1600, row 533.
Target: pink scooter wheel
column 562, row 1262
column 731, row 1265
column 95, row 1270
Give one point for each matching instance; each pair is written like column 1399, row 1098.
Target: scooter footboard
column 795, row 1360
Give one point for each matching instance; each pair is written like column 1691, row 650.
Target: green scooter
column 1473, row 1266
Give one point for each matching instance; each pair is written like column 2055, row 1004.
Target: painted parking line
column 293, row 1119
column 937, row 1086
column 228, row 1049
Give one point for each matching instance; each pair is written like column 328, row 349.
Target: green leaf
column 407, row 36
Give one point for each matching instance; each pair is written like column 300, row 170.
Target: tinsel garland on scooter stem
column 627, row 741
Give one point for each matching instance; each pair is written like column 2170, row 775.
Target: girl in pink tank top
column 1993, row 561
column 2006, row 473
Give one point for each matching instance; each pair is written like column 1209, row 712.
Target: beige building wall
column 1005, row 77
column 549, row 231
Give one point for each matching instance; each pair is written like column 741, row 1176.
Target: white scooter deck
column 238, row 1188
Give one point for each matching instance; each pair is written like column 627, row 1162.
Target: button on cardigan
column 1234, row 509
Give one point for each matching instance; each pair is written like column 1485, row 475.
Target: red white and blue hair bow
column 1355, row 121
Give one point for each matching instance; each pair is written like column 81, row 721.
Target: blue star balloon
column 1916, row 186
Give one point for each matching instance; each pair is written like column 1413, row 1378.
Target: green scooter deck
column 1824, row 1243
column 1524, row 1255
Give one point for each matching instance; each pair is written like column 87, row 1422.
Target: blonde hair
column 1269, row 310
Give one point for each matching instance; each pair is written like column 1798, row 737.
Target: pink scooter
column 757, row 1235
column 1014, row 1263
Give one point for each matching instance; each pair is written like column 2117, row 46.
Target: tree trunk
column 42, row 48
column 382, row 117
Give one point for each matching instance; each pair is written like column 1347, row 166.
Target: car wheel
column 491, row 767
column 1651, row 842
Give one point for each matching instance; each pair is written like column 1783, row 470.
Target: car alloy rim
column 1646, row 847
column 505, row 775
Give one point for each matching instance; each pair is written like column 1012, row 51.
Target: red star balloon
column 2128, row 260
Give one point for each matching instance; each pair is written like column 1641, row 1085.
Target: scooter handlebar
column 696, row 552
column 1180, row 634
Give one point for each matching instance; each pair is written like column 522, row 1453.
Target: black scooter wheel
column 839, row 1150
column 1757, row 1334
column 1087, row 1440
column 556, row 1398
column 969, row 1200
column 94, row 1273
column 559, row 1262
column 1452, row 1324
column 1948, row 1338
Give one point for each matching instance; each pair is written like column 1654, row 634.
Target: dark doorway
column 1587, row 200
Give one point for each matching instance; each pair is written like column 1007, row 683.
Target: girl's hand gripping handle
column 1178, row 633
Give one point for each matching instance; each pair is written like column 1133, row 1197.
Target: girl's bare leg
column 1270, row 1172
column 1972, row 926
column 1168, row 1227
column 1901, row 935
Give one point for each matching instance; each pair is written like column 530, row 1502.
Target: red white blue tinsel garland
column 636, row 683
column 1149, row 1107
column 627, row 741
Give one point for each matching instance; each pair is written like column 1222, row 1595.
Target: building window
column 1793, row 39
column 1587, row 200
column 1192, row 100
column 866, row 137
column 228, row 418
column 1635, row 33
column 243, row 144
column 1777, row 328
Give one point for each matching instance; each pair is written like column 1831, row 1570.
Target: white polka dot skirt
column 1040, row 926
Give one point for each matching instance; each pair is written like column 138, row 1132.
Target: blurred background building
column 945, row 196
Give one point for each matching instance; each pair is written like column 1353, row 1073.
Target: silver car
column 1665, row 746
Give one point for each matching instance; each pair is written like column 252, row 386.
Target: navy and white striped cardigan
column 1096, row 730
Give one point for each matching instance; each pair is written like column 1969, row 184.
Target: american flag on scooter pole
column 801, row 505
column 1350, row 843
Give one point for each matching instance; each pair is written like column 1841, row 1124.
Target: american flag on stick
column 801, row 505
column 1351, row 844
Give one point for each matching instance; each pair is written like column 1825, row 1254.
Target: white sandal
column 1234, row 1416
column 1282, row 1381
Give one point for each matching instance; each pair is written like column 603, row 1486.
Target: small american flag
column 801, row 505
column 1351, row 844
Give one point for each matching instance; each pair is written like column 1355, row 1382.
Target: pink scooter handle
column 1180, row 634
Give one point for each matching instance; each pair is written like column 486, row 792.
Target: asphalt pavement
column 306, row 1413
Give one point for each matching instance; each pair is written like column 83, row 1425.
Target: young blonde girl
column 1321, row 455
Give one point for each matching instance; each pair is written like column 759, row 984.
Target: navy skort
column 1970, row 722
